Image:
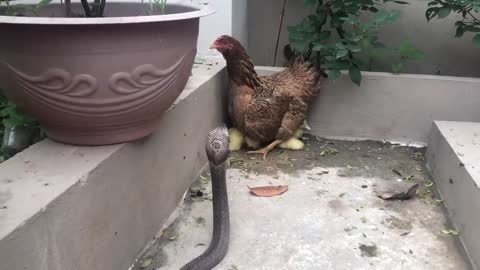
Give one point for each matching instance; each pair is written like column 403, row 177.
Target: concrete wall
column 453, row 159
column 399, row 108
column 240, row 21
column 65, row 207
column 446, row 55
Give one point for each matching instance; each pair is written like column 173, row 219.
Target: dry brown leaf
column 410, row 193
column 268, row 191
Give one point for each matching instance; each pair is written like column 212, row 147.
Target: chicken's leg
column 266, row 149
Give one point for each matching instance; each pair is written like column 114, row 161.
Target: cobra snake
column 217, row 152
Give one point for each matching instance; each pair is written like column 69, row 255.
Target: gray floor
column 330, row 217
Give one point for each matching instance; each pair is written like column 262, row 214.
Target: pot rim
column 201, row 11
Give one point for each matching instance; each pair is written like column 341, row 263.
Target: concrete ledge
column 453, row 157
column 75, row 208
column 397, row 108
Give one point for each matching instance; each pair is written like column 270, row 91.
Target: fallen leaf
column 342, row 194
column 172, row 237
column 146, row 263
column 233, row 267
column 428, row 183
column 409, row 178
column 410, row 193
column 323, row 172
column 364, row 220
column 268, row 191
column 397, row 172
column 450, row 231
column 329, row 151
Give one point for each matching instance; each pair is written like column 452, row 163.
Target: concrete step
column 453, row 158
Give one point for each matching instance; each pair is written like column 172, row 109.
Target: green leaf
column 381, row 16
column 43, row 3
column 318, row 46
column 393, row 16
column 472, row 28
column 146, row 263
column 321, row 15
column 459, row 31
column 324, row 35
column 298, row 45
column 476, row 39
column 355, row 74
column 355, row 48
column 333, row 74
column 397, row 67
column 341, row 53
column 431, row 12
column 309, row 3
column 444, row 12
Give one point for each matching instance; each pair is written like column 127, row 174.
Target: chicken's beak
column 213, row 46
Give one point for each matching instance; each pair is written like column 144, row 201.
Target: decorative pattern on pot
column 58, row 89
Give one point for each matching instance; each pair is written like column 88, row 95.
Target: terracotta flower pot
column 97, row 81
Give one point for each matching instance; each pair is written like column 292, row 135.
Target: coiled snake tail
column 217, row 153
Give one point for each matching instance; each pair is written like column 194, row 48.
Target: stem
column 471, row 15
column 95, row 7
column 86, row 8
column 340, row 32
column 278, row 32
column 68, row 8
column 101, row 8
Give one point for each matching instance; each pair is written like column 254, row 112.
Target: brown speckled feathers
column 273, row 107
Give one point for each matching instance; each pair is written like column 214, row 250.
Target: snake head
column 217, row 145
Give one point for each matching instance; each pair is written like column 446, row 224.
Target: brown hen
column 267, row 109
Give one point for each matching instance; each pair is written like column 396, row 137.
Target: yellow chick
column 236, row 139
column 252, row 143
column 294, row 143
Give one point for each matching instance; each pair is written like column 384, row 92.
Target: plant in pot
column 19, row 131
column 97, row 73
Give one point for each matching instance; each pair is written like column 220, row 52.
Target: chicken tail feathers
column 291, row 55
column 294, row 58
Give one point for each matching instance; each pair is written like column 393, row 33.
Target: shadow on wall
column 445, row 54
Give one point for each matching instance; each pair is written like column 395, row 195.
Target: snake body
column 217, row 152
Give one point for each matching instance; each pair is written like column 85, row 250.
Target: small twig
column 278, row 33
column 475, row 18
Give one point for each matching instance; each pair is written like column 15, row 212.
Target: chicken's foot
column 266, row 149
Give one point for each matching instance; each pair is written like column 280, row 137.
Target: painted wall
column 216, row 24
column 230, row 19
column 446, row 55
